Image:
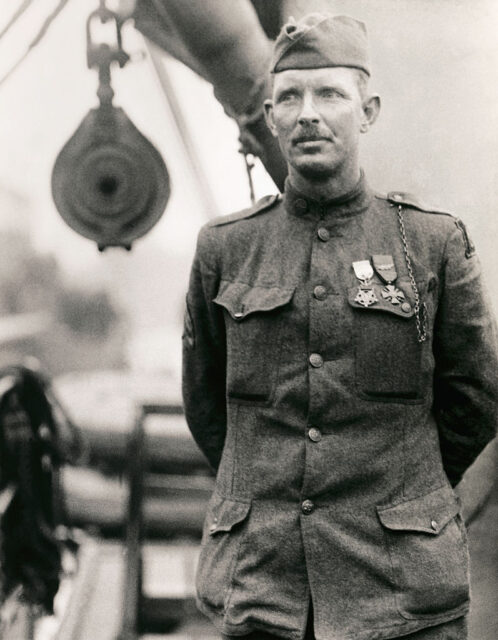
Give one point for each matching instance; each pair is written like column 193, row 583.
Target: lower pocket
column 428, row 550
column 223, row 531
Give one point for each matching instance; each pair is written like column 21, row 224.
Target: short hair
column 362, row 82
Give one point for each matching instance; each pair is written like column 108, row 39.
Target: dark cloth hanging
column 31, row 452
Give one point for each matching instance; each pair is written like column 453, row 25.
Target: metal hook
column 102, row 55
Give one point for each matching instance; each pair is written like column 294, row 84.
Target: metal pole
column 134, row 533
column 204, row 188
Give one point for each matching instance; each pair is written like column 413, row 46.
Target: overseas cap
column 321, row 40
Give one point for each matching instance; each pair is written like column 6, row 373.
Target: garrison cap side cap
column 321, row 40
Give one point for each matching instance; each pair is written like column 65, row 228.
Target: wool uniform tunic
column 335, row 432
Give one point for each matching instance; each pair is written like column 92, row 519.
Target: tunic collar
column 347, row 205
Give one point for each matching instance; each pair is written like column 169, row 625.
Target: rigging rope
column 39, row 36
column 25, row 5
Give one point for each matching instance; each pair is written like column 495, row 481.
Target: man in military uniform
column 340, row 374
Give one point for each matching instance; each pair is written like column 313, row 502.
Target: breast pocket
column 388, row 355
column 427, row 545
column 253, row 318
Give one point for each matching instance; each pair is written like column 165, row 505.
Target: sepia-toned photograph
column 248, row 320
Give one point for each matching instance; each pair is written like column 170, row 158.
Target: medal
column 364, row 272
column 366, row 297
column 393, row 294
column 384, row 268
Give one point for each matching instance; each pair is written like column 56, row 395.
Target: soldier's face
column 317, row 115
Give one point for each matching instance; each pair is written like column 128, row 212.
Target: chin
column 315, row 170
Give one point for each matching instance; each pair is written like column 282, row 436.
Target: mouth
column 310, row 139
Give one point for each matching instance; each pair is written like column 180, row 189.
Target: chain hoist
column 109, row 183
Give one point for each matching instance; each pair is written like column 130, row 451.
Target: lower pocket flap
column 226, row 514
column 429, row 513
column 241, row 299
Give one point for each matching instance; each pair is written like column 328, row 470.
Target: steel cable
column 25, row 5
column 39, row 36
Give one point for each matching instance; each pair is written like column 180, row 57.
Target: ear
column 268, row 105
column 371, row 108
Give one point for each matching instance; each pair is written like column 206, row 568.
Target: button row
column 301, row 205
column 315, row 434
column 320, row 292
column 316, row 360
column 307, row 507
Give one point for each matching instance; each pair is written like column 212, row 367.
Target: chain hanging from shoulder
column 420, row 308
column 249, row 162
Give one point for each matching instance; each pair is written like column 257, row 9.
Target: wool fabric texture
column 321, row 40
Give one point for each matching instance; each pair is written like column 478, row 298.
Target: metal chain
column 420, row 310
column 249, row 162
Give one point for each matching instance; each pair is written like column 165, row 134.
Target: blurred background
column 105, row 326
column 435, row 66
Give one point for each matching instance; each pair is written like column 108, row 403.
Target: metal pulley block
column 109, row 183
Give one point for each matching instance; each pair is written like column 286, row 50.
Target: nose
column 309, row 114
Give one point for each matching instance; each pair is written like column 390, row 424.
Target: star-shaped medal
column 366, row 297
column 394, row 295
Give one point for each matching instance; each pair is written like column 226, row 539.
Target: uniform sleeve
column 203, row 383
column 465, row 350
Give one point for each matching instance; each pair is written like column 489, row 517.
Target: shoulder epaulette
column 409, row 200
column 262, row 205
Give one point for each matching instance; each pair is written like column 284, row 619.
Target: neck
column 326, row 187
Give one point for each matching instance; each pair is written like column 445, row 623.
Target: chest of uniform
column 331, row 292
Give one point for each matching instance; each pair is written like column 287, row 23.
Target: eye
column 330, row 93
column 287, row 97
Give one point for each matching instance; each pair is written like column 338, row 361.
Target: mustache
column 310, row 134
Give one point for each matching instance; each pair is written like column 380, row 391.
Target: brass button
column 323, row 234
column 434, row 525
column 307, row 507
column 238, row 314
column 315, row 434
column 320, row 292
column 316, row 360
column 406, row 307
column 301, row 205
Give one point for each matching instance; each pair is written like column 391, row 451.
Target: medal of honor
column 366, row 297
column 364, row 272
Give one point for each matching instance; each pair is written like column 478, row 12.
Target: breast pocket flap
column 428, row 514
column 226, row 514
column 241, row 300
